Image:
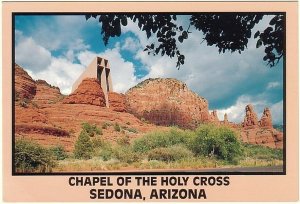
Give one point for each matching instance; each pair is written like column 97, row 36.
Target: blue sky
column 57, row 48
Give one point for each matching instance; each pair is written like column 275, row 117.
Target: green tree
column 221, row 142
column 83, row 146
column 226, row 31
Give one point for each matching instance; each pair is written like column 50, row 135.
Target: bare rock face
column 116, row 102
column 250, row 120
column 88, row 92
column 25, row 87
column 266, row 119
column 167, row 102
column 214, row 116
column 46, row 93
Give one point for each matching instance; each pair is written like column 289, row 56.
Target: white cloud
column 39, row 64
column 276, row 111
column 131, row 45
column 273, row 84
column 61, row 73
column 78, row 44
column 32, row 56
column 59, row 31
column 236, row 112
column 86, row 57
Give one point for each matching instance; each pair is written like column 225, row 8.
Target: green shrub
column 83, row 146
column 91, row 130
column 261, row 152
column 123, row 141
column 211, row 140
column 168, row 154
column 59, row 152
column 161, row 139
column 32, row 157
column 102, row 148
column 126, row 154
column 99, row 142
column 117, row 127
column 106, row 154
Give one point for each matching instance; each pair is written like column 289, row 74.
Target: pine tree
column 83, row 146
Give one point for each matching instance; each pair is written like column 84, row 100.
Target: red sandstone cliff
column 88, row 92
column 117, row 102
column 46, row 94
column 167, row 102
column 25, row 87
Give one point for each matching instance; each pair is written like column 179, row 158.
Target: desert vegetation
column 32, row 157
column 208, row 146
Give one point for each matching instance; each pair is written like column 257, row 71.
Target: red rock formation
column 261, row 133
column 167, row 102
column 250, row 119
column 46, row 94
column 116, row 102
column 266, row 119
column 59, row 124
column 25, row 87
column 226, row 119
column 266, row 137
column 161, row 101
column 88, row 92
column 214, row 116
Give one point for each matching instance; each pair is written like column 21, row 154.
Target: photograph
column 163, row 92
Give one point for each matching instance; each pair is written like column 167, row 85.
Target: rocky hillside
column 42, row 113
column 167, row 102
column 46, row 93
column 25, row 86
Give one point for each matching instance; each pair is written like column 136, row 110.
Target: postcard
column 150, row 101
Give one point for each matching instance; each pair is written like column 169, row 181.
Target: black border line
column 13, row 95
column 284, row 95
column 133, row 173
